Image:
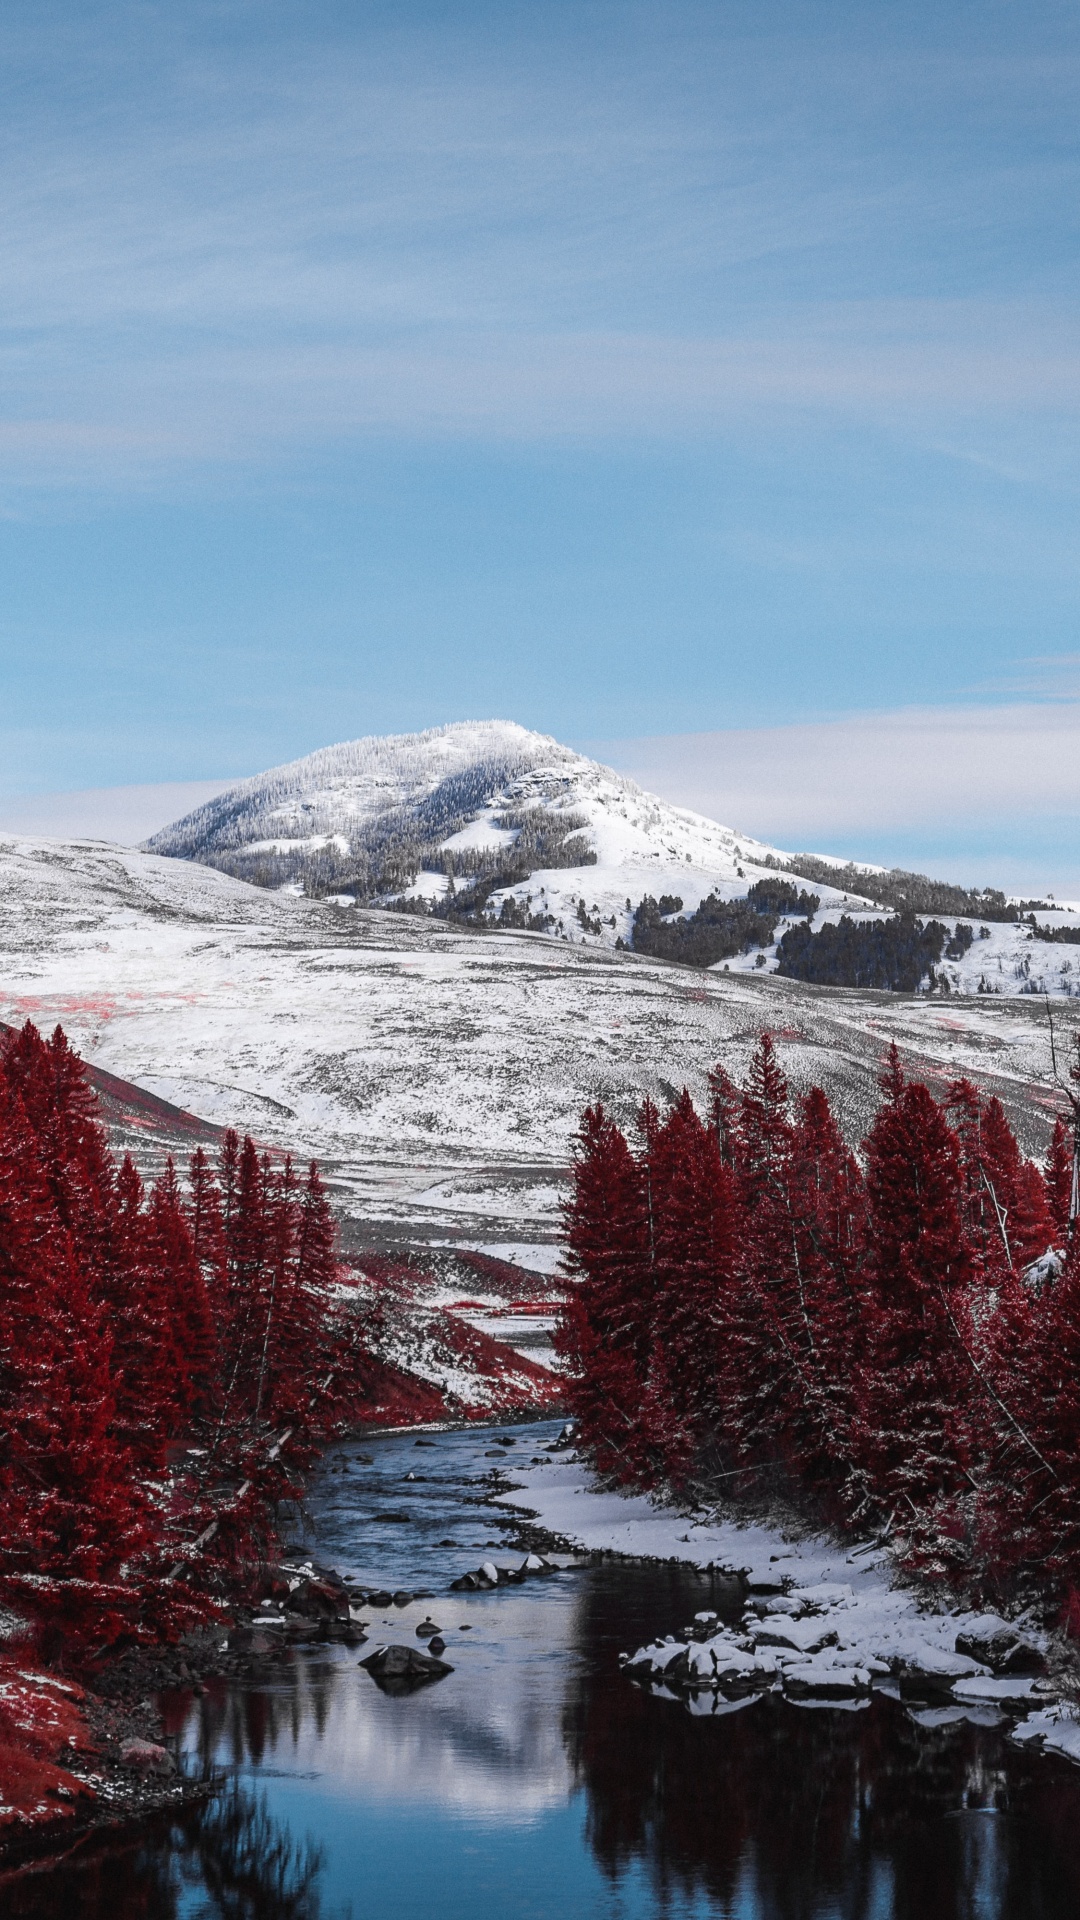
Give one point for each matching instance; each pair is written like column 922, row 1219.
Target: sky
column 695, row 382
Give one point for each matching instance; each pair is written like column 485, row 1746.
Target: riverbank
column 828, row 1618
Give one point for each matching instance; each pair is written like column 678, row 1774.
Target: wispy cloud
column 1052, row 676
column 217, row 248
column 955, row 779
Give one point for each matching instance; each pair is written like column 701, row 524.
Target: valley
column 438, row 1072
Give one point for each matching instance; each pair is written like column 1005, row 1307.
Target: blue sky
column 627, row 370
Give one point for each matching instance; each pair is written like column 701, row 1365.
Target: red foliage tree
column 604, row 1333
column 913, row 1439
column 696, row 1231
column 1059, row 1176
column 73, row 1516
column 132, row 1325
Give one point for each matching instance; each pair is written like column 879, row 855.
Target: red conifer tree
column 604, row 1331
column 72, row 1515
column 1059, row 1176
column 913, row 1441
column 697, row 1223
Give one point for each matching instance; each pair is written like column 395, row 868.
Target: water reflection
column 226, row 1859
column 785, row 1812
column 537, row 1783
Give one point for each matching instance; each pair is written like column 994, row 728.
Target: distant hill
column 489, row 825
column 483, row 822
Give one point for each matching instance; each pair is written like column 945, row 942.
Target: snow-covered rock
column 1006, row 1690
column 1056, row 1729
column 801, row 1636
column 1000, row 1645
column 820, row 1679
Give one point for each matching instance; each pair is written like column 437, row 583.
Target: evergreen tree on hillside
column 169, row 1246
column 61, row 1112
column 150, row 1385
column 912, row 1441
column 604, row 1333
column 1059, row 1176
column 1005, row 1207
column 825, row 1309
column 697, row 1231
column 763, row 1386
column 72, row 1515
column 206, row 1223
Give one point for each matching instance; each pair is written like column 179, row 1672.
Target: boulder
column 274, row 1583
column 827, row 1593
column 316, row 1599
column 399, row 1669
column 1000, row 1646
column 330, row 1575
column 722, row 1662
column 815, row 1679
column 800, row 1636
column 999, row 1690
column 381, row 1598
column 437, row 1644
column 926, row 1672
column 402, row 1598
column 426, row 1629
column 145, row 1756
column 776, row 1603
column 665, row 1659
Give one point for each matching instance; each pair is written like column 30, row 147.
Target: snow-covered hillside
column 514, row 830
column 439, row 1072
column 415, row 816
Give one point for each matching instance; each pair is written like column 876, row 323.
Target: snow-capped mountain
column 520, row 829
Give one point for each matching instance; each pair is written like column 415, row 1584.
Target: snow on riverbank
column 825, row 1619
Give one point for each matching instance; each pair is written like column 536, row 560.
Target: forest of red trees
column 881, row 1333
column 169, row 1359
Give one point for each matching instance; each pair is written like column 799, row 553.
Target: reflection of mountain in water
column 229, row 1856
column 785, row 1812
column 488, row 1744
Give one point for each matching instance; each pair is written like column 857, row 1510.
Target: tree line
column 169, row 1358
column 893, row 1335
column 902, row 892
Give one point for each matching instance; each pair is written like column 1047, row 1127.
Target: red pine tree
column 604, row 1332
column 1059, row 1176
column 72, row 1515
column 913, row 1440
column 697, row 1223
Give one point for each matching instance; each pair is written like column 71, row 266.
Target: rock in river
column 1000, row 1646
column 398, row 1669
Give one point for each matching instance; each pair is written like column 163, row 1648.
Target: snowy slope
column 407, row 808
column 340, row 792
column 439, row 1072
column 386, row 817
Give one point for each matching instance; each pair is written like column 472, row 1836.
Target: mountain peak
column 515, row 826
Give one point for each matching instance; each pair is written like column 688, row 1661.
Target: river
column 536, row 1782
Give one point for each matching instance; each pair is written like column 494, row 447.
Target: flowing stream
column 536, row 1783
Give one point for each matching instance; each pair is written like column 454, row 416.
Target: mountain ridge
column 404, row 819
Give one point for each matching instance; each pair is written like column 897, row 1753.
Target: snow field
column 439, row 1075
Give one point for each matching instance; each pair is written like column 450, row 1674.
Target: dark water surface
column 536, row 1783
